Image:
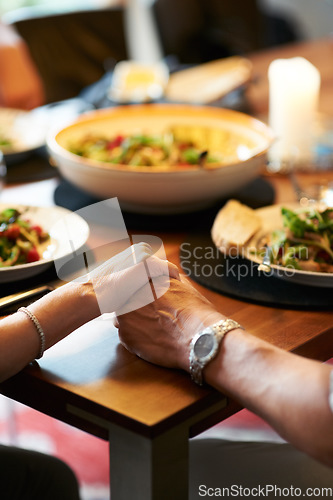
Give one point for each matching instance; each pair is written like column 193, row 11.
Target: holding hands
column 107, row 288
column 161, row 332
column 116, row 281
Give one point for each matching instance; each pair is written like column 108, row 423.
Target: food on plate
column 134, row 81
column 233, row 227
column 181, row 146
column 20, row 239
column 305, row 242
column 208, row 82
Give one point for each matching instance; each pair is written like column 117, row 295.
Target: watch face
column 205, row 345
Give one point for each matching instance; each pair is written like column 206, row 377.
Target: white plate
column 47, row 217
column 271, row 220
column 24, row 131
column 210, row 81
column 27, row 130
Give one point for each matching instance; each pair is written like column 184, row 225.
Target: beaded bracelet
column 38, row 328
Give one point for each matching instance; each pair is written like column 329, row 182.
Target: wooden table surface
column 89, row 380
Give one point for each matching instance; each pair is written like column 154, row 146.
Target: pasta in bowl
column 161, row 158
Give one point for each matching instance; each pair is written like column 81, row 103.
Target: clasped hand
column 161, row 332
column 116, row 281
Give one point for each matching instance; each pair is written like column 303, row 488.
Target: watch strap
column 219, row 330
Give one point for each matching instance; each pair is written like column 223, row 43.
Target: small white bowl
column 134, row 82
column 163, row 190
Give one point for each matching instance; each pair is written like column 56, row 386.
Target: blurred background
column 83, row 39
column 313, row 18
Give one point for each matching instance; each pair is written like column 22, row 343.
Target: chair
column 198, row 31
column 71, row 49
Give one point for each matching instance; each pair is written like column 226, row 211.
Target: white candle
column 293, row 101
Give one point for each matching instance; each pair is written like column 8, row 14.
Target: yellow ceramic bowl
column 242, row 140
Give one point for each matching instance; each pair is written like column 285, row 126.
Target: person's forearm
column 59, row 313
column 66, row 309
column 107, row 289
column 288, row 391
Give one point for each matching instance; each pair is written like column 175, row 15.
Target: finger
column 159, row 267
column 141, row 251
column 141, row 298
column 115, row 321
column 132, row 255
column 133, row 279
column 128, row 258
column 173, row 271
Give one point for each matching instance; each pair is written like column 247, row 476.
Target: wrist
column 206, row 345
column 65, row 309
column 216, row 373
column 195, row 325
column 87, row 299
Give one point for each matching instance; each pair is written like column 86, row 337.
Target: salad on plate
column 21, row 241
column 305, row 242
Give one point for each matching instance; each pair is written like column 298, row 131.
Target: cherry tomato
column 115, row 143
column 38, row 230
column 12, row 232
column 32, row 255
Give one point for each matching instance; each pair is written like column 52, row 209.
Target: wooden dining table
column 148, row 413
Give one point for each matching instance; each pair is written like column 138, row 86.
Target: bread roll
column 233, row 227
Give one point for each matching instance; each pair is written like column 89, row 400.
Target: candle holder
column 311, row 188
column 312, row 180
column 320, row 153
column 294, row 161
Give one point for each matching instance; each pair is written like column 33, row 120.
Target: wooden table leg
column 149, row 469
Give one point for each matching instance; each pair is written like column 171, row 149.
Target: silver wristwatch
column 205, row 346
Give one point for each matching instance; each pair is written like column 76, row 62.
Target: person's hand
column 20, row 83
column 115, row 281
column 161, row 332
